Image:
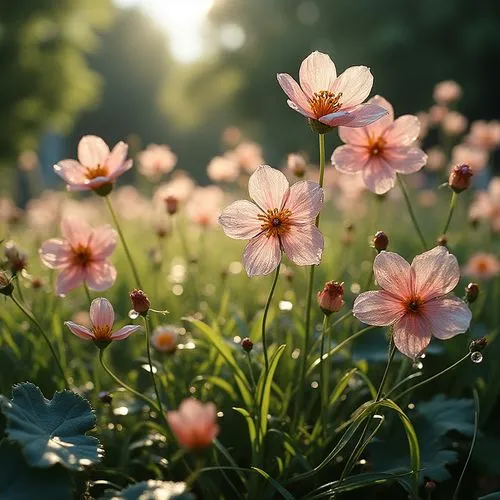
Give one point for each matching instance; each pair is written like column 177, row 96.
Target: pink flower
column 487, row 205
column 194, row 424
column 280, row 219
column 447, row 91
column 476, row 158
column 381, row 150
column 102, row 317
column 156, row 160
column 96, row 168
column 205, row 204
column 484, row 135
column 223, row 169
column 414, row 299
column 332, row 100
column 482, row 266
column 80, row 256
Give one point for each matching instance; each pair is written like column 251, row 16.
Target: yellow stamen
column 98, row 171
column 275, row 222
column 325, row 102
column 82, row 255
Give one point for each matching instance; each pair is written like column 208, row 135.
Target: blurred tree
column 45, row 78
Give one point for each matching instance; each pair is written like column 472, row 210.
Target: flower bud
column 106, row 397
column 442, row 241
column 478, row 345
column 247, row 344
column 318, row 127
column 331, row 298
column 140, row 301
column 172, row 204
column 460, row 178
column 380, row 241
column 471, row 292
column 297, row 164
column 6, row 286
column 429, row 484
column 16, row 258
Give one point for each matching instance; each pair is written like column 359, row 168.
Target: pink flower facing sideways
column 194, row 424
column 331, row 100
column 280, row 219
column 414, row 299
column 102, row 318
column 380, row 150
column 97, row 167
column 81, row 256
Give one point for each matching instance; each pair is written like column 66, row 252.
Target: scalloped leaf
column 151, row 490
column 51, row 431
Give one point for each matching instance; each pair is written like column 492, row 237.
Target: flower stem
column 323, row 378
column 410, row 210
column 453, row 202
column 124, row 385
column 124, row 242
column 87, row 292
column 32, row 318
column 264, row 318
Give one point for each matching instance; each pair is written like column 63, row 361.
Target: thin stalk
column 124, row 242
column 32, row 318
column 317, row 342
column 453, row 202
column 87, row 292
column 264, row 318
column 323, row 378
column 252, row 377
column 20, row 289
column 410, row 210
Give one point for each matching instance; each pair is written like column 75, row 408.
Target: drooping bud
column 172, row 204
column 478, row 345
column 380, row 241
column 140, row 301
column 471, row 292
column 460, row 178
column 247, row 344
column 297, row 164
column 6, row 286
column 331, row 298
column 442, row 241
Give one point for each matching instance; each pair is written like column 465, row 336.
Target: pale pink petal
column 317, row 72
column 267, row 187
column 94, row 183
column 393, row 274
column 378, row 176
column 294, row 93
column 405, row 160
column 303, row 244
column 378, row 127
column 303, row 112
column 304, row 199
column 92, row 151
column 71, row 171
column 350, row 159
column 262, row 255
column 182, row 432
column 80, row 331
column 68, row 279
column 102, row 242
column 448, row 316
column 378, row 308
column 412, row 334
column 357, row 116
column 121, row 170
column 124, row 332
column 436, row 273
column 355, row 136
column 117, row 157
column 100, row 275
column 240, row 220
column 55, row 253
column 76, row 231
column 102, row 314
column 355, row 84
column 403, row 132
column 77, row 188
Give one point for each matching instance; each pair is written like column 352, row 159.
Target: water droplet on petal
column 476, row 357
column 133, row 314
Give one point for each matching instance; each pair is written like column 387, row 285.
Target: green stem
column 410, row 210
column 453, row 202
column 264, row 318
column 323, row 378
column 252, row 377
column 124, row 385
column 32, row 318
column 87, row 293
column 124, row 242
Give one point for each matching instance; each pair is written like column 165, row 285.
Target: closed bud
column 430, row 485
column 331, row 298
column 380, row 241
column 442, row 241
column 297, row 164
column 140, row 301
column 478, row 345
column 460, row 178
column 105, row 397
column 247, row 344
column 172, row 204
column 471, row 292
column 17, row 259
column 6, row 286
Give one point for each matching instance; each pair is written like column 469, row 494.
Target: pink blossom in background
column 156, row 160
column 9, row 212
column 223, row 169
column 476, row 158
column 28, row 161
column 437, row 114
column 81, row 256
column 131, row 205
column 487, row 205
column 180, row 187
column 194, row 424
column 415, row 299
column 329, row 99
column 381, row 150
column 205, row 205
column 280, row 219
column 447, row 92
column 102, row 318
column 436, row 159
column 248, row 155
column 483, row 266
column 454, row 123
column 96, row 167
column 484, row 135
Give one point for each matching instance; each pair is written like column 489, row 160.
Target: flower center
column 98, row 171
column 413, row 304
column 482, row 266
column 102, row 332
column 376, row 146
column 81, row 255
column 325, row 102
column 275, row 222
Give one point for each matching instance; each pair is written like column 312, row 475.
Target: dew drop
column 476, row 357
column 133, row 314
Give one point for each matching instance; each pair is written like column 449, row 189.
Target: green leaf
column 166, row 490
column 341, row 386
column 217, row 381
column 252, row 430
column 277, row 486
column 51, row 431
column 19, row 482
